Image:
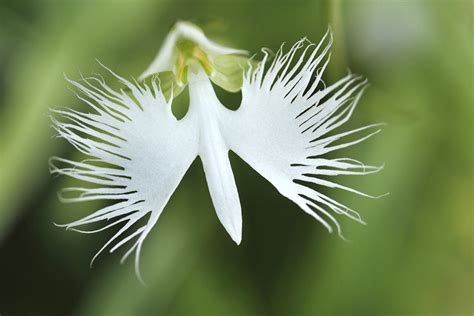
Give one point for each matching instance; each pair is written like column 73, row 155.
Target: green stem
column 339, row 62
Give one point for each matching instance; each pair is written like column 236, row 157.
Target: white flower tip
column 345, row 239
column 237, row 238
column 140, row 278
column 233, row 226
column 60, row 225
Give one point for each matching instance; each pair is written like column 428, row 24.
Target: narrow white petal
column 214, row 153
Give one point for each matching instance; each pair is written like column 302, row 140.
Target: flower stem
column 335, row 20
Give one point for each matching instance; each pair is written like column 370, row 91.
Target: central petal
column 206, row 109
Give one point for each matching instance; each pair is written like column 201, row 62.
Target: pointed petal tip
column 237, row 239
column 235, row 232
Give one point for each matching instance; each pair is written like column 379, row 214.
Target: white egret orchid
column 139, row 151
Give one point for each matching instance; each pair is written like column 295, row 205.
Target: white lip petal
column 165, row 59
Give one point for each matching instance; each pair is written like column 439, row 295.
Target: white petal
column 166, row 57
column 214, row 152
column 281, row 124
column 146, row 152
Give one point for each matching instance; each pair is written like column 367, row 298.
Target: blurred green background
column 415, row 257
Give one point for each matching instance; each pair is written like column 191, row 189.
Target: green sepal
column 167, row 82
column 228, row 71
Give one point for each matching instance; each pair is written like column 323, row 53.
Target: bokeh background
column 415, row 256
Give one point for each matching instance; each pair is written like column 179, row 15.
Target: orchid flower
column 284, row 127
